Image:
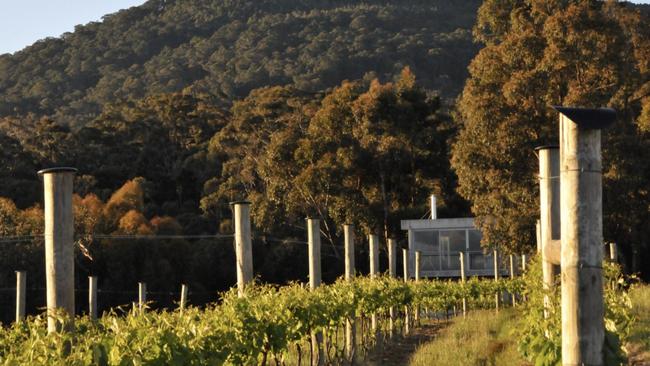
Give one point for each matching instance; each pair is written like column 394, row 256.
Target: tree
column 364, row 154
column 253, row 156
column 161, row 138
column 17, row 172
column 371, row 156
column 537, row 54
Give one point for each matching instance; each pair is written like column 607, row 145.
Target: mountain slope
column 227, row 48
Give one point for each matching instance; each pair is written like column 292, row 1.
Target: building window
column 451, row 243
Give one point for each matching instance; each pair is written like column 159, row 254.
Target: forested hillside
column 336, row 110
column 227, row 48
column 172, row 109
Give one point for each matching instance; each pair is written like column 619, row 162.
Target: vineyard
column 259, row 169
column 273, row 325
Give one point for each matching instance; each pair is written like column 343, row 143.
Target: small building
column 440, row 242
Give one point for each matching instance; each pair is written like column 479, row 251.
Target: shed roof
column 440, row 224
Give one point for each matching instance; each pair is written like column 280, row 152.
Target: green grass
column 640, row 332
column 483, row 338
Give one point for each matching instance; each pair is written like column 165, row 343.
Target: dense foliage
column 541, row 339
column 228, row 48
column 271, row 322
column 264, row 324
column 540, row 53
column 365, row 154
column 183, row 158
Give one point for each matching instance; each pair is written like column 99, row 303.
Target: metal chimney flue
column 434, row 210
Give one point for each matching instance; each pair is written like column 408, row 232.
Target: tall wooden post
column 373, row 246
column 512, row 275
column 183, row 302
column 418, row 255
column 392, row 272
column 461, row 257
column 348, row 232
column 21, row 288
column 392, row 257
column 523, row 271
column 407, row 315
column 495, row 256
column 314, row 243
column 550, row 227
column 142, row 295
column 538, row 232
column 418, row 264
column 92, row 297
column 583, row 330
column 59, row 242
column 243, row 244
column 613, row 253
column 350, row 341
column 405, row 264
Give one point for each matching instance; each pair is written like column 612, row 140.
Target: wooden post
column 243, row 244
column 461, row 256
column 407, row 315
column 613, row 253
column 350, row 341
column 21, row 288
column 550, row 227
column 538, row 232
column 417, row 279
column 523, row 272
column 392, row 258
column 92, row 297
column 583, row 330
column 392, row 272
column 183, row 297
column 348, row 232
column 496, row 277
column 59, row 243
column 405, row 264
column 512, row 275
column 142, row 295
column 314, row 243
column 373, row 244
column 418, row 263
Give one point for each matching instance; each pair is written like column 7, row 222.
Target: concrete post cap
column 240, row 203
column 57, row 170
column 547, row 147
column 589, row 118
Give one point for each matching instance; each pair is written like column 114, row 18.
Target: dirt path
column 638, row 356
column 398, row 351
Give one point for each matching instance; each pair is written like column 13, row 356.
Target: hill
column 227, row 48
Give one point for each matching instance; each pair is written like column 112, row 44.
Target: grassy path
column 639, row 345
column 485, row 338
column 482, row 338
column 398, row 351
